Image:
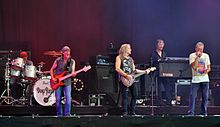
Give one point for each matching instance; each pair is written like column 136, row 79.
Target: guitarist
column 63, row 63
column 124, row 65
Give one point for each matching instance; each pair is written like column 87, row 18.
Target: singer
column 200, row 63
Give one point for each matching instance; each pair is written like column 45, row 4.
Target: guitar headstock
column 86, row 68
column 152, row 68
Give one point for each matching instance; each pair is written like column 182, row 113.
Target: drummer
column 24, row 56
column 15, row 83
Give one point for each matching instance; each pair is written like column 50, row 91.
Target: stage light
column 78, row 84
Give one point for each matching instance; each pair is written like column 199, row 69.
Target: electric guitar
column 60, row 77
column 128, row 82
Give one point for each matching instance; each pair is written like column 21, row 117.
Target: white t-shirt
column 198, row 75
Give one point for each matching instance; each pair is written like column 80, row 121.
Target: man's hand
column 74, row 74
column 147, row 71
column 198, row 53
column 54, row 80
column 129, row 77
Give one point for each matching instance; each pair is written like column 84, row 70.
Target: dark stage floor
column 23, row 110
column 108, row 116
column 110, row 121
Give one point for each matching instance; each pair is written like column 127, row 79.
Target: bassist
column 61, row 64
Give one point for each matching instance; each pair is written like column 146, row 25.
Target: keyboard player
column 157, row 56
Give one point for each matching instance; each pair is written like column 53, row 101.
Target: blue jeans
column 67, row 94
column 193, row 94
column 124, row 95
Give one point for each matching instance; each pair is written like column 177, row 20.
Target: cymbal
column 5, row 51
column 52, row 53
column 42, row 63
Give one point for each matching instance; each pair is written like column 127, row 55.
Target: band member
column 200, row 63
column 158, row 56
column 61, row 64
column 17, row 72
column 124, row 65
column 24, row 56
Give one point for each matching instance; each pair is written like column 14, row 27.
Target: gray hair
column 198, row 44
column 65, row 48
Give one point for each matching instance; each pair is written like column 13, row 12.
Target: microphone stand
column 152, row 74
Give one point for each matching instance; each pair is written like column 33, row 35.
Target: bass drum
column 43, row 93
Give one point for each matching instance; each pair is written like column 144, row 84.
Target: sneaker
column 125, row 114
column 69, row 115
column 204, row 114
column 133, row 114
column 190, row 113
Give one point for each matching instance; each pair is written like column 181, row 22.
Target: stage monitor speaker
column 102, row 80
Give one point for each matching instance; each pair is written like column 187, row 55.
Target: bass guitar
column 128, row 82
column 60, row 77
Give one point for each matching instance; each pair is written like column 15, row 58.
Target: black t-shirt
column 127, row 65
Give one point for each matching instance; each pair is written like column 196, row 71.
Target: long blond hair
column 123, row 50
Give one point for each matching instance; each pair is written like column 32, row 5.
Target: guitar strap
column 68, row 66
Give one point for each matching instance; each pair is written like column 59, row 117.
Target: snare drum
column 30, row 72
column 42, row 91
column 17, row 64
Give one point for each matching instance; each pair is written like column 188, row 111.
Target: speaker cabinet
column 182, row 90
column 214, row 86
column 102, row 80
column 144, row 86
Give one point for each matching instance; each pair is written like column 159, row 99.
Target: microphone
column 199, row 54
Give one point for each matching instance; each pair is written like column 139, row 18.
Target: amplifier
column 182, row 91
column 214, row 74
column 100, row 60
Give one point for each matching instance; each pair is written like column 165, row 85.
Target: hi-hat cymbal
column 4, row 51
column 52, row 53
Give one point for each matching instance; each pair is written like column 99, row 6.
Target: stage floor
column 110, row 121
column 108, row 116
column 24, row 110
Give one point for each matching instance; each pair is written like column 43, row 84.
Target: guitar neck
column 139, row 74
column 69, row 75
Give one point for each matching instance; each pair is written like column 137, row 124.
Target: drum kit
column 35, row 83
